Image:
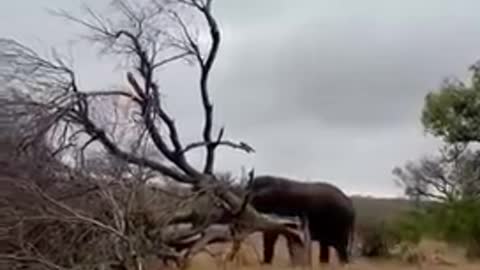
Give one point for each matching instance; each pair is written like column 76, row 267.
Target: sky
column 322, row 89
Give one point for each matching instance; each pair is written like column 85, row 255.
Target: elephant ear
column 259, row 184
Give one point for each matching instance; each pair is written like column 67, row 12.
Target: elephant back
column 284, row 196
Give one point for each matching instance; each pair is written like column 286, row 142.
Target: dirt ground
column 434, row 256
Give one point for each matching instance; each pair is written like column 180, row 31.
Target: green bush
column 408, row 227
column 454, row 222
column 457, row 222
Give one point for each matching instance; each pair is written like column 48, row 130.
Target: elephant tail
column 351, row 242
column 351, row 238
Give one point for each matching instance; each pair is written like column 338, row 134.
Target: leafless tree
column 450, row 176
column 148, row 35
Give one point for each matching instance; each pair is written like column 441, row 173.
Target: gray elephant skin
column 330, row 212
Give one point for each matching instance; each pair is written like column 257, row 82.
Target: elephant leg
column 296, row 250
column 324, row 252
column 269, row 239
column 341, row 247
column 342, row 254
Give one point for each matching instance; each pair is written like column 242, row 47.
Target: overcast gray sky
column 324, row 90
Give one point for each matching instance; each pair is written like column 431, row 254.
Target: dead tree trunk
column 68, row 111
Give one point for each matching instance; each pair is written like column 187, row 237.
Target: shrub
column 454, row 222
column 408, row 227
column 377, row 240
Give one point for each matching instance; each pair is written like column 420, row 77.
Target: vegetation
column 443, row 189
column 453, row 112
column 446, row 187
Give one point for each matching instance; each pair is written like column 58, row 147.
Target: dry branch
column 149, row 35
column 450, row 176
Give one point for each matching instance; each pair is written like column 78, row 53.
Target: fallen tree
column 45, row 93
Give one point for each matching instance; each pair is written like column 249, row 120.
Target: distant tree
column 451, row 176
column 453, row 112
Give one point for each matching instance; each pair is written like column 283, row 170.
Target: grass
column 437, row 256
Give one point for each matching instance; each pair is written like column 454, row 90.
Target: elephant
column 330, row 212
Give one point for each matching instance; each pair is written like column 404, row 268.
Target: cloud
column 369, row 71
column 337, row 94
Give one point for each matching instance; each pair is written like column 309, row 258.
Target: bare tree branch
column 450, row 176
column 242, row 146
column 132, row 220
